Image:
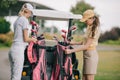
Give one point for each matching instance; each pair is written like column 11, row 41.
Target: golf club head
column 64, row 31
column 63, row 36
column 34, row 31
column 33, row 23
column 73, row 28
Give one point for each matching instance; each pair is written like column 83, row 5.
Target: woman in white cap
column 88, row 45
column 20, row 41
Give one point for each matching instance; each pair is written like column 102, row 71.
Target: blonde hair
column 23, row 10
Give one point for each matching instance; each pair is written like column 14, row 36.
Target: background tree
column 7, row 3
column 10, row 7
column 113, row 34
column 4, row 26
column 80, row 7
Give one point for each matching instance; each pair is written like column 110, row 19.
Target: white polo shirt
column 20, row 24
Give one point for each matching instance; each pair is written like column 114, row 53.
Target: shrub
column 4, row 26
column 117, row 30
column 6, row 39
column 113, row 34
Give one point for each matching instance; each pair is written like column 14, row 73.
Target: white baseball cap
column 28, row 6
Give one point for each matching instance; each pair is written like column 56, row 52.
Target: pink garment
column 40, row 68
column 31, row 53
column 68, row 67
column 56, row 73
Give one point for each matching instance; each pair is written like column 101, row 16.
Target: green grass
column 112, row 42
column 108, row 67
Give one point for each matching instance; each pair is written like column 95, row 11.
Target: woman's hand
column 34, row 40
column 68, row 51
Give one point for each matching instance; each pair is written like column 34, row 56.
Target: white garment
column 16, row 53
column 16, row 57
column 20, row 24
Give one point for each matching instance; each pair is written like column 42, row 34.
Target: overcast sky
column 109, row 11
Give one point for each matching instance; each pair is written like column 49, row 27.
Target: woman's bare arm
column 76, row 43
column 82, row 47
column 26, row 37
